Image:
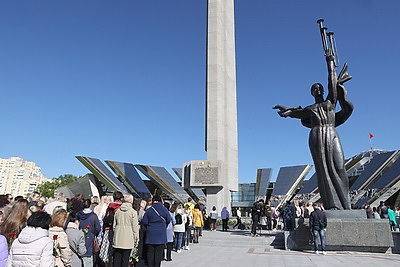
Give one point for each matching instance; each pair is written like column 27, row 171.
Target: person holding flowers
column 61, row 250
column 16, row 219
column 90, row 226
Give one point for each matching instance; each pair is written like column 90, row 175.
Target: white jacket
column 33, row 247
column 180, row 228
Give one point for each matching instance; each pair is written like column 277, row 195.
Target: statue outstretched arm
column 295, row 112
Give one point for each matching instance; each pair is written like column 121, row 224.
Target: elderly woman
column 126, row 232
column 155, row 220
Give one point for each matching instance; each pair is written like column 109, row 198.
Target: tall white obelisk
column 221, row 117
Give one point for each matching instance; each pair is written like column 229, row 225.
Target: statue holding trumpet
column 322, row 118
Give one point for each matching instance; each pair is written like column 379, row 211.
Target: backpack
column 108, row 219
column 288, row 213
column 178, row 219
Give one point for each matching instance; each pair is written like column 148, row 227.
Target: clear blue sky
column 125, row 80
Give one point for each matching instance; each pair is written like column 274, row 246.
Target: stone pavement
column 237, row 248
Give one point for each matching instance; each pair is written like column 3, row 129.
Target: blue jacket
column 87, row 217
column 224, row 214
column 170, row 228
column 156, row 227
column 3, row 251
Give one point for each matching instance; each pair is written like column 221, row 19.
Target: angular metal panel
column 288, row 177
column 367, row 176
column 390, row 176
column 263, row 179
column 102, row 173
column 130, row 177
column 163, row 179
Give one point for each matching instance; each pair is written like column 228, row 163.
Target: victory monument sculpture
column 322, row 118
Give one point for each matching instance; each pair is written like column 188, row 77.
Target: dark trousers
column 142, row 248
column 187, row 237
column 239, row 222
column 224, row 224
column 121, row 257
column 256, row 221
column 269, row 223
column 155, row 254
column 170, row 245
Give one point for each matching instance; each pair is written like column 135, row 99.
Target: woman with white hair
column 179, row 227
column 126, row 232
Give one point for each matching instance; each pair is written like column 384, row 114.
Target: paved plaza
column 237, row 248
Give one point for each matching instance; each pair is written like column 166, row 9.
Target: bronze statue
column 321, row 117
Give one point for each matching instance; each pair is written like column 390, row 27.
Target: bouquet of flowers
column 134, row 258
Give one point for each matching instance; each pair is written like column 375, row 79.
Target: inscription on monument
column 207, row 175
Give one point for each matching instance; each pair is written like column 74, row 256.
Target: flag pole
column 370, row 140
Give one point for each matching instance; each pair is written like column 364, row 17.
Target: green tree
column 48, row 188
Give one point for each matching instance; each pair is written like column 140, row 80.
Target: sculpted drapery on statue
column 322, row 118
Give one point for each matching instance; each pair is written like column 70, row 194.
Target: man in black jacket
column 318, row 223
column 256, row 211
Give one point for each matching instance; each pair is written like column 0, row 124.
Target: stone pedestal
column 396, row 242
column 347, row 230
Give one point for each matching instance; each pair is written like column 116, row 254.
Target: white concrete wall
column 221, row 118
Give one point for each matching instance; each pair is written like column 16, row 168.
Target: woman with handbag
column 156, row 219
column 76, row 240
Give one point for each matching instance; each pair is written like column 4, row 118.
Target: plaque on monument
column 204, row 173
column 195, row 193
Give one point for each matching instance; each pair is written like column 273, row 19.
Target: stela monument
column 218, row 175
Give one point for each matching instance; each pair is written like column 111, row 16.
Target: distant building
column 19, row 177
column 245, row 196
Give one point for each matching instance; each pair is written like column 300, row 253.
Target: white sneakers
column 324, row 252
column 317, row 252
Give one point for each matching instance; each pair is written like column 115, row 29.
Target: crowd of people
column 117, row 230
column 120, row 230
column 384, row 211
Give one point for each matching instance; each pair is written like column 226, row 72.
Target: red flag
column 371, row 135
